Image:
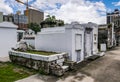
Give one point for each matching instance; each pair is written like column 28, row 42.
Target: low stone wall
column 45, row 64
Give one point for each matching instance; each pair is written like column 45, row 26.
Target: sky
column 82, row 11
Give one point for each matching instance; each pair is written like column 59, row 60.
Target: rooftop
column 7, row 25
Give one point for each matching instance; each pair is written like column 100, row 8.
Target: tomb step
column 65, row 68
column 101, row 54
column 93, row 57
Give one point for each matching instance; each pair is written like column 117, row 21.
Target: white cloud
column 5, row 8
column 15, row 5
column 70, row 10
column 76, row 10
column 47, row 4
column 116, row 3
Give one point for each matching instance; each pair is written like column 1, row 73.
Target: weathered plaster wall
column 95, row 39
column 1, row 16
column 30, row 41
column 74, row 52
column 61, row 39
column 8, row 39
column 54, row 41
column 64, row 39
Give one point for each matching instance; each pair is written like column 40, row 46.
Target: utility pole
column 18, row 13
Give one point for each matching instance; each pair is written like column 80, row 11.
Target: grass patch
column 41, row 52
column 10, row 72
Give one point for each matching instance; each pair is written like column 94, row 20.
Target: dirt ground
column 103, row 69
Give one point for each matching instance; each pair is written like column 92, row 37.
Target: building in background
column 102, row 34
column 21, row 21
column 1, row 16
column 8, row 18
column 18, row 19
column 34, row 16
column 111, row 36
column 114, row 18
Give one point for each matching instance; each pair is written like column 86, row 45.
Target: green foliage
column 109, row 25
column 51, row 21
column 35, row 27
column 40, row 52
column 60, row 22
column 41, row 71
column 10, row 72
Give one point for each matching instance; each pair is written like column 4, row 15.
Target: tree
column 35, row 27
column 109, row 25
column 51, row 21
column 60, row 22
